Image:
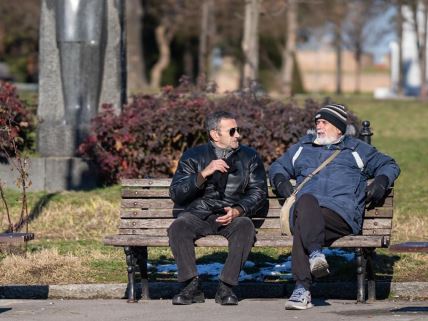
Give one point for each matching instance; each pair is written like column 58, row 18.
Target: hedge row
column 152, row 132
column 16, row 123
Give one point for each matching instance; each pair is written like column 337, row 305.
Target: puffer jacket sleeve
column 378, row 163
column 255, row 197
column 284, row 164
column 184, row 188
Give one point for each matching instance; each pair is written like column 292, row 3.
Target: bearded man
column 331, row 204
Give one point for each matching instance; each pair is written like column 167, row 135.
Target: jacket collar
column 211, row 148
column 347, row 142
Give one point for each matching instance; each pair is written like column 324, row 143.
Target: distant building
column 318, row 70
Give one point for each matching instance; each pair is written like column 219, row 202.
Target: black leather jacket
column 244, row 185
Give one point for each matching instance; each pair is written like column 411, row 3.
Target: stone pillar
column 82, row 66
column 60, row 133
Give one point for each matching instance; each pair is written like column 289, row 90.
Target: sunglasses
column 234, row 130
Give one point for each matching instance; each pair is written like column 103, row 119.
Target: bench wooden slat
column 168, row 213
column 377, row 231
column 132, row 192
column 164, row 203
column 20, row 237
column 261, row 232
column 219, row 241
column 163, row 192
column 410, row 247
column 146, row 182
column 368, row 224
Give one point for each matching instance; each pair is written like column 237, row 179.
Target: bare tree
column 170, row 14
column 330, row 15
column 288, row 53
column 250, row 42
column 206, row 36
column 134, row 29
column 164, row 33
column 358, row 33
column 419, row 9
column 399, row 29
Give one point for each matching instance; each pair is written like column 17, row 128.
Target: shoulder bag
column 289, row 202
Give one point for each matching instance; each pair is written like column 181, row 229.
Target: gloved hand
column 282, row 186
column 376, row 190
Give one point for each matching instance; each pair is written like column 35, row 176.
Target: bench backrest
column 146, row 209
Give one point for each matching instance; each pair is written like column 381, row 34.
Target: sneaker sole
column 298, row 307
column 320, row 270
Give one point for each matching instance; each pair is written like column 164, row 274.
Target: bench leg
column 361, row 276
column 371, row 276
column 141, row 254
column 130, row 262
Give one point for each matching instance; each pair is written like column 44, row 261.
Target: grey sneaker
column 299, row 300
column 318, row 264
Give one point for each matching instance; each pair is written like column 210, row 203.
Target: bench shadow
column 37, row 209
column 423, row 309
column 25, row 291
column 2, row 310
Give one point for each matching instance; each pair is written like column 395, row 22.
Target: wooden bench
column 15, row 238
column 411, row 247
column 147, row 211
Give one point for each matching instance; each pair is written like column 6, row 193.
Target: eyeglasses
column 234, row 130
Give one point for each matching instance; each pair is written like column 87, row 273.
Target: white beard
column 326, row 140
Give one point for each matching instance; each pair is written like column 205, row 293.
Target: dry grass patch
column 405, row 228
column 92, row 219
column 44, row 267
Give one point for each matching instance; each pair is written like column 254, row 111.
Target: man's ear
column 214, row 135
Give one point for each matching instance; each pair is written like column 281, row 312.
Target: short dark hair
column 213, row 119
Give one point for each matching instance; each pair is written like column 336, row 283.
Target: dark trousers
column 314, row 227
column 182, row 233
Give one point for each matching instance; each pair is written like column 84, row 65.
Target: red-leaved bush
column 149, row 136
column 16, row 122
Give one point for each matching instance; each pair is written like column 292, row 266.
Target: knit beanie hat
column 334, row 114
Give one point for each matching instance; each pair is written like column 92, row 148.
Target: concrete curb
column 165, row 290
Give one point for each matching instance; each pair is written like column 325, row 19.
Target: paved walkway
column 247, row 310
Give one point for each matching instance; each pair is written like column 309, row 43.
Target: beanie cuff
column 332, row 119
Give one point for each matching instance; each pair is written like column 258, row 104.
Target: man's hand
column 376, row 190
column 231, row 214
column 215, row 165
column 282, row 186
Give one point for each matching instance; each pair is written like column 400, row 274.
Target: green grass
column 74, row 223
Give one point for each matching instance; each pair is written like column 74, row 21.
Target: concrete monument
column 82, row 65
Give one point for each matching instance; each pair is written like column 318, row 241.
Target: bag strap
column 317, row 170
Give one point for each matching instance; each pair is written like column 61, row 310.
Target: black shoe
column 225, row 295
column 192, row 293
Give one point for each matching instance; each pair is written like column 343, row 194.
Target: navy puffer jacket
column 341, row 185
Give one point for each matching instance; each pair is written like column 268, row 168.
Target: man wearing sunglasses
column 220, row 184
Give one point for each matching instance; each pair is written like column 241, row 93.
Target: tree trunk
column 134, row 26
column 250, row 43
column 338, row 48
column 205, row 41
column 188, row 62
column 423, row 52
column 358, row 73
column 163, row 40
column 289, row 49
column 400, row 21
